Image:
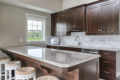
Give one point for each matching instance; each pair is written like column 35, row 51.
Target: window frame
column 37, row 18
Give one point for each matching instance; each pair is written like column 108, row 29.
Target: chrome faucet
column 78, row 40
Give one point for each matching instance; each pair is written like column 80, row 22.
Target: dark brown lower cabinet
column 109, row 62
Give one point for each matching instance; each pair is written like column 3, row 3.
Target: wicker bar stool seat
column 4, row 60
column 13, row 63
column 25, row 73
column 47, row 78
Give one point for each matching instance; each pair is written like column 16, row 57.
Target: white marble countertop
column 91, row 47
column 54, row 57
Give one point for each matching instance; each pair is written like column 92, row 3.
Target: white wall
column 12, row 24
column 73, row 3
column 47, row 4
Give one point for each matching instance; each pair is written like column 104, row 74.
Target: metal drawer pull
column 99, row 29
column 106, row 53
column 106, row 61
column 106, row 72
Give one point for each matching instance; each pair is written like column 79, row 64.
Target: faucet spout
column 78, row 40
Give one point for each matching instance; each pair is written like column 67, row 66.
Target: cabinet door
column 110, row 17
column 53, row 24
column 76, row 19
column 71, row 20
column 80, row 19
column 93, row 19
column 61, row 25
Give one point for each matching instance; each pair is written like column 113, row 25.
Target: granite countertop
column 60, row 58
column 91, row 47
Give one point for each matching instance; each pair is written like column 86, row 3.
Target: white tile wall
column 68, row 40
column 92, row 40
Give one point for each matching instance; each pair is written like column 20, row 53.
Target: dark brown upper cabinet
column 110, row 17
column 79, row 19
column 103, row 18
column 59, row 24
column 93, row 19
column 65, row 22
column 53, row 24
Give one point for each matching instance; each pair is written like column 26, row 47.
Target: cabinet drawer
column 107, row 69
column 108, row 63
column 108, row 54
column 107, row 66
column 108, row 74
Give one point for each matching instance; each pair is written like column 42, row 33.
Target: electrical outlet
column 21, row 40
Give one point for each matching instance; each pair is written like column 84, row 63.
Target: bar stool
column 3, row 61
column 47, row 78
column 11, row 66
column 25, row 73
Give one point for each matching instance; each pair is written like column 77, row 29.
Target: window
column 35, row 30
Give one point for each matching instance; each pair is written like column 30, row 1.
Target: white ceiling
column 49, row 6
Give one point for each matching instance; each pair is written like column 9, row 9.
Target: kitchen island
column 67, row 65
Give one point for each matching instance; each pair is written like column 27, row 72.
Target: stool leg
column 10, row 75
column 34, row 78
column 15, row 76
column 22, row 79
column 0, row 72
column 5, row 74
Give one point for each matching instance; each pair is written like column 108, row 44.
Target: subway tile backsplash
column 111, row 41
column 68, row 40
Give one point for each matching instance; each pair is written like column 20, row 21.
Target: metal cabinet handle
column 74, row 26
column 106, row 53
column 99, row 30
column 106, row 72
column 106, row 61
